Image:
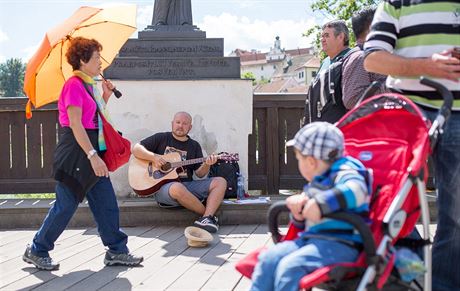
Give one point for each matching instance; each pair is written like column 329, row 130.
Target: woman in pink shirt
column 78, row 167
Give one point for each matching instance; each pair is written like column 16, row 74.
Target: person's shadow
column 47, row 278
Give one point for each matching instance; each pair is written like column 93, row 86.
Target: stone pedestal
column 160, row 76
column 163, row 55
column 172, row 31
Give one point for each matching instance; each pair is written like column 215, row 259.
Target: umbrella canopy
column 48, row 69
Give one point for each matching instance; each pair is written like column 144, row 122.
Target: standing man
column 186, row 192
column 335, row 40
column 342, row 78
column 324, row 101
column 355, row 79
column 412, row 39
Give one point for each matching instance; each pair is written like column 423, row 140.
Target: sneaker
column 42, row 263
column 122, row 259
column 208, row 223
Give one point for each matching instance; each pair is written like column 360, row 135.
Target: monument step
column 17, row 214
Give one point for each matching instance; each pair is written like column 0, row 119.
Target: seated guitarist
column 186, row 192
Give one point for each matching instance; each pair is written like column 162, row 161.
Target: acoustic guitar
column 146, row 179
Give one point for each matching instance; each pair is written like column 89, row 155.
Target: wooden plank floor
column 169, row 264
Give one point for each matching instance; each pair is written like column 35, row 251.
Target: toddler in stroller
column 337, row 183
column 389, row 135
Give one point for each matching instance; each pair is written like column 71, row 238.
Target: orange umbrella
column 48, row 69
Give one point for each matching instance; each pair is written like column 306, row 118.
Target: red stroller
column 389, row 134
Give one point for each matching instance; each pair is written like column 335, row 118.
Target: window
column 313, row 74
column 262, row 68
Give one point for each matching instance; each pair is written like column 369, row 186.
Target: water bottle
column 240, row 187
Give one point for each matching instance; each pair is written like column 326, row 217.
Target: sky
column 244, row 24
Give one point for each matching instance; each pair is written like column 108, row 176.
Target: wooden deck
column 169, row 264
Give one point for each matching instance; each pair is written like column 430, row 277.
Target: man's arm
column 350, row 191
column 204, row 168
column 140, row 152
column 440, row 65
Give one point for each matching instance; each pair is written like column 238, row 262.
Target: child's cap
column 322, row 140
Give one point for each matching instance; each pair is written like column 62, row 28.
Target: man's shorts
column 199, row 188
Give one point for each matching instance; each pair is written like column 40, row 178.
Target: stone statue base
column 173, row 52
column 172, row 31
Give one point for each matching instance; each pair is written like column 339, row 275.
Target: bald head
column 183, row 114
column 181, row 125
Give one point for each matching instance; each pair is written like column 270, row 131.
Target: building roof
column 250, row 56
column 298, row 89
column 313, row 63
column 289, row 68
column 276, row 86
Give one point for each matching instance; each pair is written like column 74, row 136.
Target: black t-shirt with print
column 164, row 143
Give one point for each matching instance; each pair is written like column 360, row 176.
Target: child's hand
column 295, row 203
column 311, row 211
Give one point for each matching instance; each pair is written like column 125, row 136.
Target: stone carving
column 172, row 12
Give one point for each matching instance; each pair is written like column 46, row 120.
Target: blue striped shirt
column 346, row 186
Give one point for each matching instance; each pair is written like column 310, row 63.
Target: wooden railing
column 276, row 118
column 26, row 147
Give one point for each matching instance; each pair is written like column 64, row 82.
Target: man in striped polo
column 410, row 39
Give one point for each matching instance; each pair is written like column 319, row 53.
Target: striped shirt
column 346, row 186
column 417, row 29
column 355, row 79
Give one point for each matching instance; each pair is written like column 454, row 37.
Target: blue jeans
column 446, row 247
column 103, row 204
column 282, row 266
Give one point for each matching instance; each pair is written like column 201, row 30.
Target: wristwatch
column 91, row 153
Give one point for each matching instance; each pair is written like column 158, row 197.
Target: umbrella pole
column 114, row 90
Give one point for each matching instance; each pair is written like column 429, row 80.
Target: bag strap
column 92, row 96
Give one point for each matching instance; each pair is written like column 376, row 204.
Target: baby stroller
column 389, row 134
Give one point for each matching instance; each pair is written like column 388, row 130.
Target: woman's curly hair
column 81, row 49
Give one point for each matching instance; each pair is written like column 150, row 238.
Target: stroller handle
column 370, row 91
column 355, row 220
column 444, row 111
column 445, row 93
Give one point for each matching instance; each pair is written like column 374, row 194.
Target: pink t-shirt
column 74, row 93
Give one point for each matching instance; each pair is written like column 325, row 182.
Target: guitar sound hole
column 166, row 167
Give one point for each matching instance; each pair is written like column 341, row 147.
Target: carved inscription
column 139, row 49
column 171, row 67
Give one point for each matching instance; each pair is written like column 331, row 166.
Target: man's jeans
column 282, row 266
column 446, row 247
column 103, row 204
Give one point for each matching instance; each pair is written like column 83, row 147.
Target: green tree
column 12, row 78
column 251, row 76
column 334, row 10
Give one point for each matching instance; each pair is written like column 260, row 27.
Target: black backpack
column 324, row 101
column 229, row 171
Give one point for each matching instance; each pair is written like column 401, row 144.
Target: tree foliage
column 334, row 10
column 12, row 78
column 251, row 76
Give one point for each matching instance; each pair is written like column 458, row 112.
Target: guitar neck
column 187, row 162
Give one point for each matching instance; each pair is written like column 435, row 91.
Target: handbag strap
column 92, row 96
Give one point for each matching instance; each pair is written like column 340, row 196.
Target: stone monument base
column 221, row 112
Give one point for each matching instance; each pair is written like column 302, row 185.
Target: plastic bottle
column 240, row 187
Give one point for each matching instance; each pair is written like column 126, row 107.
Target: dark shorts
column 199, row 188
